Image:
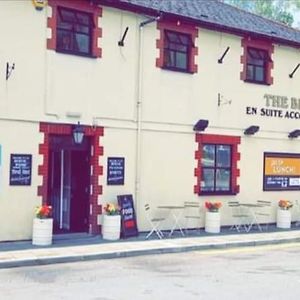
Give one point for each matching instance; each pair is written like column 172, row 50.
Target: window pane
column 222, row 180
column 178, row 47
column 172, row 36
column 64, row 40
column 250, row 72
column 169, row 59
column 208, row 180
column 63, row 25
column 83, row 19
column 256, row 62
column 259, row 74
column 82, row 42
column 208, row 159
column 82, row 29
column 67, row 16
column 223, row 156
column 181, row 60
column 185, row 39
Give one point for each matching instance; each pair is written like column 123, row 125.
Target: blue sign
column 115, row 170
column 20, row 169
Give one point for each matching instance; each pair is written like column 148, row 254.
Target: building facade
column 177, row 103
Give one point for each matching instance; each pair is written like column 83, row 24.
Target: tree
column 278, row 10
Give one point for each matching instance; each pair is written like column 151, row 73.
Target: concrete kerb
column 77, row 257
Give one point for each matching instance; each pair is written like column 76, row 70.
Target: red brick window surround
column 49, row 129
column 183, row 38
column 213, row 141
column 75, row 23
column 257, row 61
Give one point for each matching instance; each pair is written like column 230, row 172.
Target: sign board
column 128, row 218
column 281, row 171
column 115, row 170
column 20, row 169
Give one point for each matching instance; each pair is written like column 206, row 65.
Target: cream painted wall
column 18, row 202
column 48, row 86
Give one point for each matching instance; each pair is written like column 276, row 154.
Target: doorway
column 69, row 183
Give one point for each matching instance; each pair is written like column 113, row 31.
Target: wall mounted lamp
column 294, row 134
column 251, row 130
column 9, row 69
column 200, row 125
column 78, row 134
column 121, row 42
column 294, row 71
column 220, row 60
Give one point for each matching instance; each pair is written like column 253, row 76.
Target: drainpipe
column 139, row 110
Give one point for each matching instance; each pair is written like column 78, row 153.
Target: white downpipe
column 61, row 189
column 139, row 113
column 138, row 121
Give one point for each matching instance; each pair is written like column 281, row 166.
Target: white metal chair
column 192, row 213
column 240, row 217
column 263, row 212
column 154, row 223
column 297, row 208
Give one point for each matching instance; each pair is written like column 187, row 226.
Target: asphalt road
column 265, row 272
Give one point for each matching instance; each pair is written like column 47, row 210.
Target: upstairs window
column 74, row 32
column 257, row 63
column 177, row 51
column 216, row 168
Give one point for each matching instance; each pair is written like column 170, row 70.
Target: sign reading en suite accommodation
column 277, row 106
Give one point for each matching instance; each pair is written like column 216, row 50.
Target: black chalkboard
column 128, row 218
column 20, row 169
column 115, row 170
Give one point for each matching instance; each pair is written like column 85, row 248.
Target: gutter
column 196, row 22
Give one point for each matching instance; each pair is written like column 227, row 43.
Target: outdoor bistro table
column 175, row 213
column 251, row 209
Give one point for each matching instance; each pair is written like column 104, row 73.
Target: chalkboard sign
column 115, row 170
column 128, row 218
column 20, row 169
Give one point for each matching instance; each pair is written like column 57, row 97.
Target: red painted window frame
column 82, row 6
column 265, row 45
column 233, row 141
column 179, row 27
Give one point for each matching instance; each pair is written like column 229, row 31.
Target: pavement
column 82, row 247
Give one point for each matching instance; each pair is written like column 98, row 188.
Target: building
column 159, row 88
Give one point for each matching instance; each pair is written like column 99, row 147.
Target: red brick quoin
column 234, row 141
column 66, row 129
column 80, row 5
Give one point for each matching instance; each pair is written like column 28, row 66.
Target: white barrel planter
column 42, row 232
column 212, row 222
column 111, row 227
column 284, row 218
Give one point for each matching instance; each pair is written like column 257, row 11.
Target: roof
column 215, row 15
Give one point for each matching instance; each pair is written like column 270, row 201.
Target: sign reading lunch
column 277, row 106
column 281, row 171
